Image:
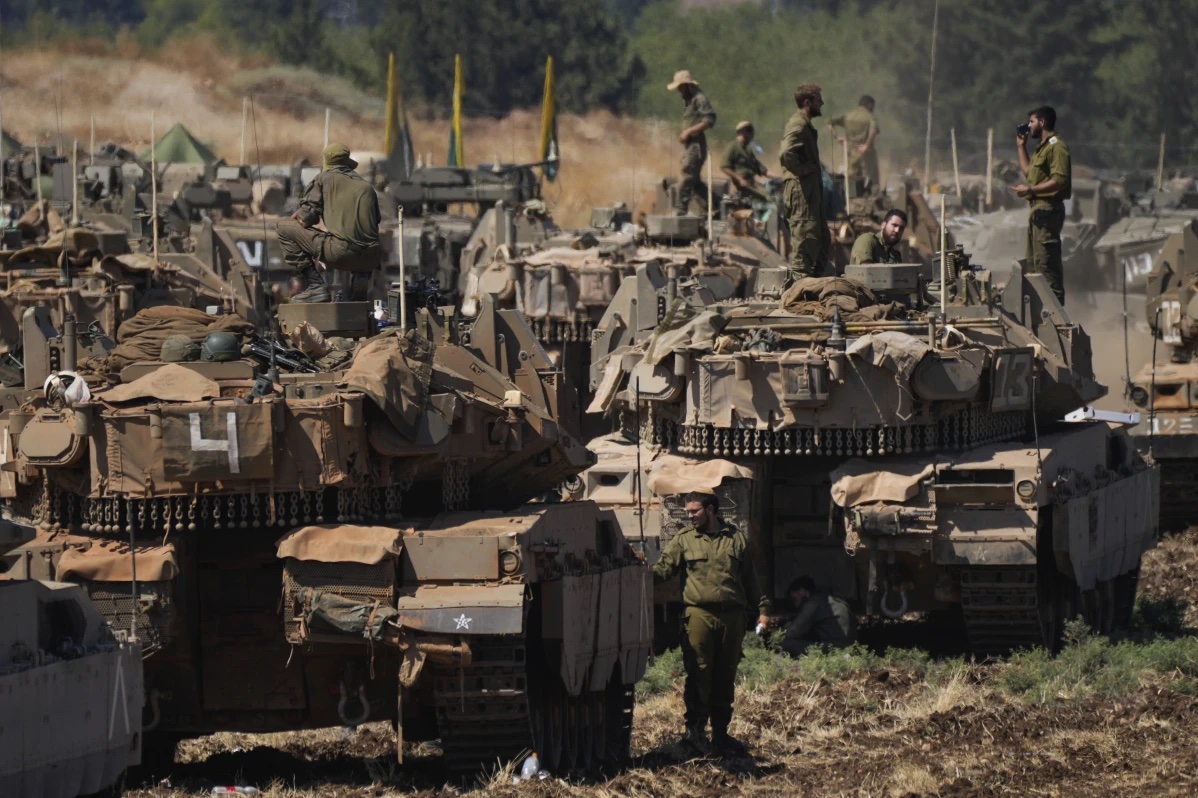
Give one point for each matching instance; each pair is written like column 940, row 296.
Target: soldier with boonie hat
column 697, row 117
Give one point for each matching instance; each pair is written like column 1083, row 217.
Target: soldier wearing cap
column 719, row 588
column 697, row 117
column 861, row 131
column 741, row 163
column 803, row 186
column 347, row 205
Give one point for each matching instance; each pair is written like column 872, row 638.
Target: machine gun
column 268, row 353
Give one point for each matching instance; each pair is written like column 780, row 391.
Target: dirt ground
column 881, row 732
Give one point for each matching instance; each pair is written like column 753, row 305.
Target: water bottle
column 234, row 790
column 530, row 768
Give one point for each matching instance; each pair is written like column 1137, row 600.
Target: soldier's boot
column 695, row 738
column 726, row 744
column 316, row 290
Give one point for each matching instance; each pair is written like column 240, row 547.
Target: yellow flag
column 456, row 155
column 549, row 148
column 392, row 88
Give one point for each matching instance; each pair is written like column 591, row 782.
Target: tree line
column 1117, row 71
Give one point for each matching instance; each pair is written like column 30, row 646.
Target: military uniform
column 719, row 583
column 858, row 124
column 1047, row 217
column 824, row 620
column 743, row 161
column 870, row 248
column 803, row 191
column 697, row 110
column 349, row 208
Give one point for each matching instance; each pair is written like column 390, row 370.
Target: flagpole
column 154, row 185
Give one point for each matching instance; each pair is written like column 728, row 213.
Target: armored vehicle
column 907, row 444
column 344, row 535
column 1165, row 386
column 70, row 685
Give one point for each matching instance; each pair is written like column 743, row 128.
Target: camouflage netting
column 140, row 338
column 821, row 296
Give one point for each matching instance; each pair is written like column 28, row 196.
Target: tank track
column 483, row 710
column 1001, row 608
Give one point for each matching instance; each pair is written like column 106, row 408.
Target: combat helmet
column 220, row 347
column 179, row 349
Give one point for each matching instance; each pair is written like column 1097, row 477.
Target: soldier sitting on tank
column 882, row 246
column 349, row 208
column 742, row 166
column 821, row 620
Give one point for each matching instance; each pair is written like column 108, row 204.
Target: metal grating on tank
column 156, row 611
column 303, row 580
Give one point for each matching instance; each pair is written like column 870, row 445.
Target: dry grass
column 605, row 158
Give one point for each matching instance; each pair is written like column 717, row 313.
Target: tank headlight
column 1026, row 489
column 1139, row 396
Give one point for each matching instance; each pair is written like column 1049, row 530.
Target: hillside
column 605, row 158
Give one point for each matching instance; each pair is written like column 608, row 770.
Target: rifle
column 268, row 352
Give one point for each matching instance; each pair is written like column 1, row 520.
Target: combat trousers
column 711, row 651
column 865, row 167
column 1044, row 244
column 810, row 241
column 691, row 183
column 302, row 245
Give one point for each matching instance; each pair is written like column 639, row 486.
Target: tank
column 70, row 686
column 906, row 448
column 1162, row 388
column 351, row 538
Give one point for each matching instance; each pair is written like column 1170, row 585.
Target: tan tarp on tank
column 861, row 481
column 821, row 296
column 170, row 383
column 111, row 562
column 140, row 338
column 215, row 442
column 368, row 545
column 321, row 450
column 395, row 373
column 892, row 350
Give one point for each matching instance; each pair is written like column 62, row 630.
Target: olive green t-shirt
column 697, row 110
column 870, row 248
column 742, row 160
column 800, row 147
column 857, row 124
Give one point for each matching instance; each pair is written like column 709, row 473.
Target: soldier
column 719, row 584
column 882, row 246
column 803, row 187
column 697, row 117
column 1049, row 184
column 822, row 619
column 349, row 208
column 861, row 130
column 742, row 166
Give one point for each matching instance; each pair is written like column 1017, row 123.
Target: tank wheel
column 618, row 700
column 1125, row 598
column 586, row 730
column 571, row 727
column 1105, row 591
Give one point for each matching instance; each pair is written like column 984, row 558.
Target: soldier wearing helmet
column 697, row 117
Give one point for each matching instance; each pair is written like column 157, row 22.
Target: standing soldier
column 741, row 164
column 1049, row 184
column 697, row 117
column 803, row 187
column 719, row 584
column 861, row 130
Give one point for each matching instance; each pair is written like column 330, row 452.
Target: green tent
column 177, row 145
column 11, row 145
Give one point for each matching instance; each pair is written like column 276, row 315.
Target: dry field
column 1100, row 720
column 45, row 95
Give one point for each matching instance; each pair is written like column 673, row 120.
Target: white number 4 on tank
column 201, row 444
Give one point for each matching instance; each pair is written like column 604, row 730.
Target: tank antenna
column 133, row 576
column 1126, row 345
column 640, row 507
column 1156, row 325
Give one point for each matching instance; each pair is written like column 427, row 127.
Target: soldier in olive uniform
column 1049, row 184
column 349, row 208
column 742, row 166
column 861, row 130
column 822, row 619
column 882, row 246
column 803, row 186
column 719, row 584
column 697, row 117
